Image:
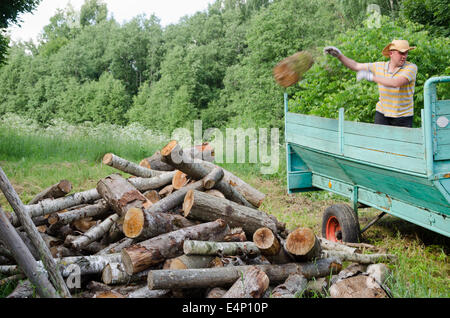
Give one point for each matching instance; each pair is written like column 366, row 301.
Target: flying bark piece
column 303, row 244
column 154, row 162
column 49, row 206
column 192, row 247
column 129, row 167
column 141, row 225
column 201, row 206
column 188, row 261
column 360, row 258
column 153, row 183
column 173, row 155
column 114, row 274
column 266, row 241
column 55, row 191
column 179, row 180
column 252, row 284
column 120, row 194
column 359, row 286
column 26, row 261
column 226, row 276
column 294, row 284
column 99, row 209
column 212, row 178
column 94, row 233
column 38, row 242
column 141, row 256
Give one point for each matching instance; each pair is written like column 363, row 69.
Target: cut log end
column 144, row 163
column 300, row 241
column 133, row 223
column 65, row 186
column 107, row 159
column 169, row 147
column 266, row 241
column 188, row 202
column 179, row 180
column 177, row 264
column 107, row 274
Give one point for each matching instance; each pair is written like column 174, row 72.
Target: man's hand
column 364, row 75
column 334, row 51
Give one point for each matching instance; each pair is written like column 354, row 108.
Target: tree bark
column 129, row 167
column 252, row 284
column 360, row 258
column 100, row 209
column 26, row 261
column 226, row 276
column 55, row 191
column 153, row 183
column 24, row 289
column 142, row 225
column 140, row 256
column 294, row 284
column 188, row 261
column 303, row 245
column 173, row 155
column 114, row 274
column 49, row 206
column 117, row 246
column 192, row 247
column 212, row 178
column 94, row 233
column 38, row 242
column 154, row 162
column 120, row 194
column 204, row 207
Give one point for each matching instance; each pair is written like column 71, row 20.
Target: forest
column 216, row 65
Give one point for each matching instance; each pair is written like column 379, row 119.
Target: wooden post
column 26, row 261
column 25, row 220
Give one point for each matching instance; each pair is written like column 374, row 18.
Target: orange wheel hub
column 333, row 230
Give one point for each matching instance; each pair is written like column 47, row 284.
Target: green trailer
column 403, row 172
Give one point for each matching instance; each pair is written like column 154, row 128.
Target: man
column 396, row 80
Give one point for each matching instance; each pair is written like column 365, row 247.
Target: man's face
column 398, row 58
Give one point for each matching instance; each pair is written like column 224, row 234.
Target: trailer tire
column 340, row 224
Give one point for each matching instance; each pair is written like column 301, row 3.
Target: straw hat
column 399, row 45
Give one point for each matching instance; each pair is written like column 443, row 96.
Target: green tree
column 93, row 12
column 434, row 14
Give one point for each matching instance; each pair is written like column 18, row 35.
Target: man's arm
column 391, row 82
column 346, row 61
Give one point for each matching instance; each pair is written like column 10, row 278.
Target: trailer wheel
column 340, row 224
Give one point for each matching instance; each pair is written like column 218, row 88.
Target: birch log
column 153, row 183
column 99, row 209
column 141, row 256
column 252, row 284
column 120, row 194
column 94, row 233
column 38, row 242
column 129, row 167
column 114, row 274
column 360, row 258
column 55, row 191
column 26, row 261
column 226, row 276
column 173, row 155
column 49, row 206
column 192, row 247
column 204, row 207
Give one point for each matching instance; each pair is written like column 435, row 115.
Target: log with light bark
column 153, row 183
column 120, row 194
column 129, row 167
column 188, row 261
column 99, row 209
column 117, row 246
column 212, row 178
column 252, row 284
column 215, row 193
column 49, row 206
column 140, row 225
column 201, row 206
column 94, row 233
column 154, row 162
column 226, row 276
column 173, row 155
column 179, row 180
column 25, row 289
column 303, row 245
column 294, row 285
column 55, row 191
column 360, row 258
column 192, row 247
column 335, row 246
column 114, row 274
column 25, row 219
column 141, row 256
column 25, row 259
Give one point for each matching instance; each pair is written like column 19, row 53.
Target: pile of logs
column 178, row 226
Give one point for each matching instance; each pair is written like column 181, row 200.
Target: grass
column 34, row 160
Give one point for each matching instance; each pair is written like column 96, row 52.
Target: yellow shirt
column 395, row 101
